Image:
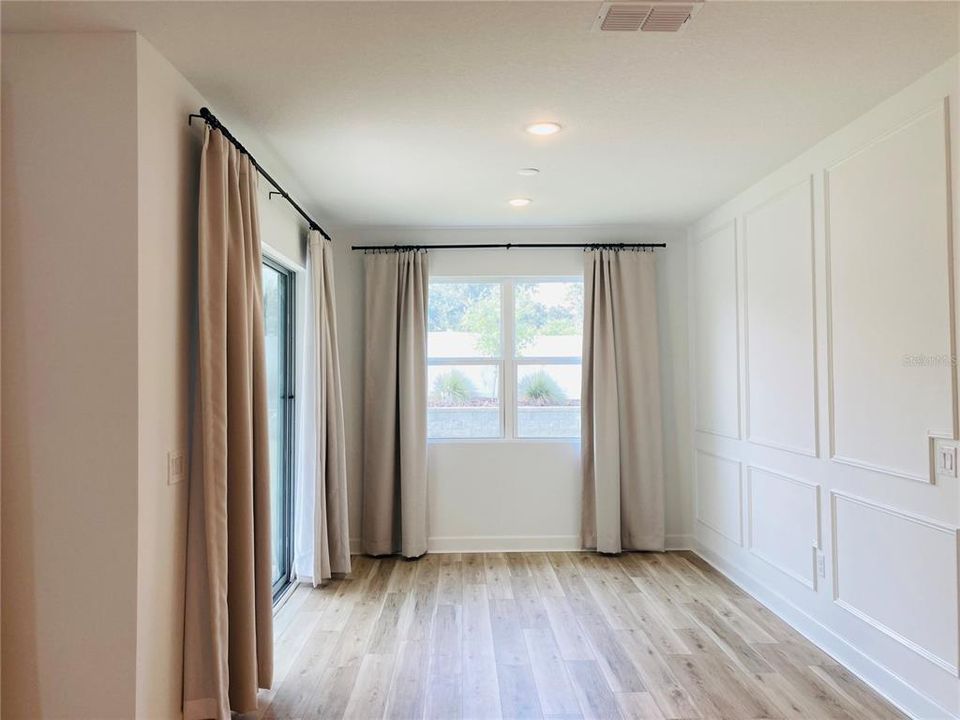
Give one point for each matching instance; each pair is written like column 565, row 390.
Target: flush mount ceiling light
column 528, row 171
column 543, row 128
column 519, row 201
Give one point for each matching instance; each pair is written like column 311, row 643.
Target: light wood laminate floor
column 558, row 635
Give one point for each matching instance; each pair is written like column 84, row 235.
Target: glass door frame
column 289, row 417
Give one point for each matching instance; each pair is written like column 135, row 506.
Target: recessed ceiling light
column 543, row 128
column 528, row 171
column 519, row 202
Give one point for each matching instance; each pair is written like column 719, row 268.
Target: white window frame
column 499, row 359
column 509, row 359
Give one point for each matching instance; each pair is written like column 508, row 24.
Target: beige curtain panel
column 395, row 404
column 322, row 536
column 228, row 634
column 621, row 432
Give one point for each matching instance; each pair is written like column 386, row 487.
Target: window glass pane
column 549, row 318
column 463, row 320
column 548, row 401
column 463, row 401
column 275, row 335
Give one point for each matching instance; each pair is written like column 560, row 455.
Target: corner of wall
column 167, row 175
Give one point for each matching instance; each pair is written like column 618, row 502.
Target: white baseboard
column 492, row 543
column 679, row 542
column 503, row 543
column 518, row 543
column 888, row 684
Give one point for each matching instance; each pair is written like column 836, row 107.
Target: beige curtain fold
column 322, row 536
column 621, row 434
column 395, row 404
column 228, row 634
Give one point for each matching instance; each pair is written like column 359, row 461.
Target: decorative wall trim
column 698, row 426
column 942, row 107
column 806, row 452
column 952, row 277
column 750, row 436
column 882, row 680
column 700, row 520
column 816, row 541
column 716, row 433
column 883, row 469
column 939, row 106
column 835, row 495
column 920, row 688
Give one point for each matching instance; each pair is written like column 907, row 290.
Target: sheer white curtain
column 321, row 533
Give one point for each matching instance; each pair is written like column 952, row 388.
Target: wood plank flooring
column 553, row 635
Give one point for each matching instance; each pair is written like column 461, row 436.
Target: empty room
column 479, row 359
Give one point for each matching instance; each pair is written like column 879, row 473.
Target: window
column 504, row 344
column 549, row 342
column 278, row 315
column 465, row 366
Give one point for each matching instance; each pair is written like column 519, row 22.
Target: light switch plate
column 947, row 461
column 944, row 458
column 176, row 467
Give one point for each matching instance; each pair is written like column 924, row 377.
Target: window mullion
column 548, row 360
column 463, row 360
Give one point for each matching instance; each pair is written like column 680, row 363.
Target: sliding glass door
column 278, row 310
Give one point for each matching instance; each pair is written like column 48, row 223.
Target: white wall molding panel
column 783, row 523
column 823, row 370
column 717, row 332
column 913, row 552
column 889, row 298
column 779, row 321
column 719, row 495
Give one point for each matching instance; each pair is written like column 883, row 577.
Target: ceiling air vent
column 649, row 16
column 623, row 16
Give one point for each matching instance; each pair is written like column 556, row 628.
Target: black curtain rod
column 509, row 246
column 210, row 119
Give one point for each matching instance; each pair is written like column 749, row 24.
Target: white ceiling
column 411, row 113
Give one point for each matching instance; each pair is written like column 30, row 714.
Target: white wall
column 513, row 495
column 69, row 376
column 99, row 230
column 823, row 332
